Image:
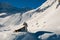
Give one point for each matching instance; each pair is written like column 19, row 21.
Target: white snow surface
column 47, row 20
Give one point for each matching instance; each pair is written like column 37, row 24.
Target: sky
column 24, row 3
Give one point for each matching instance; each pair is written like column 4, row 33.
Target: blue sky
column 24, row 3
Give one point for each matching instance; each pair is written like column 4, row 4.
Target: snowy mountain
column 10, row 16
column 40, row 21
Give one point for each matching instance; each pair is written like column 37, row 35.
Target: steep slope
column 44, row 18
column 31, row 17
column 11, row 16
column 46, row 21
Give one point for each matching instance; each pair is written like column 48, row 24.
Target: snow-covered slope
column 43, row 18
column 47, row 20
column 8, row 21
column 39, row 16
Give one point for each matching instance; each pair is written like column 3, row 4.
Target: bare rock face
column 24, row 29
